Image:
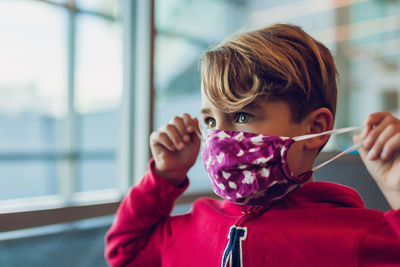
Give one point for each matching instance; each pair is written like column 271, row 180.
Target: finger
column 374, row 119
column 357, row 137
column 386, row 133
column 161, row 138
column 195, row 128
column 391, row 147
column 181, row 127
column 374, row 133
column 191, row 123
column 363, row 153
column 173, row 134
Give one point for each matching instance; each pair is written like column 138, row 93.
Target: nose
column 224, row 125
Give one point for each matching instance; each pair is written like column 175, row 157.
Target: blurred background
column 84, row 82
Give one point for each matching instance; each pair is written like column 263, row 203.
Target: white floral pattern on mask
column 249, row 168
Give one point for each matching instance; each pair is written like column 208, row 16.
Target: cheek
column 295, row 157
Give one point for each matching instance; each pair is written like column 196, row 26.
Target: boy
column 262, row 85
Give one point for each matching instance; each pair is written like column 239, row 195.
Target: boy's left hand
column 380, row 152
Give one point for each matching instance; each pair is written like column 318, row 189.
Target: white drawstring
column 353, row 147
column 333, row 132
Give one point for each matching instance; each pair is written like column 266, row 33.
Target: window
column 98, row 90
column 33, row 87
column 60, row 97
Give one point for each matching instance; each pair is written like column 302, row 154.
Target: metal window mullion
column 143, row 86
column 125, row 145
column 136, row 106
column 69, row 172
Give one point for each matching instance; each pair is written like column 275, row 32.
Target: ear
column 318, row 121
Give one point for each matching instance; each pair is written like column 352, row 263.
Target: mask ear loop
column 335, row 131
column 353, row 147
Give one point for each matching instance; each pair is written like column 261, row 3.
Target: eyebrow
column 205, row 111
column 251, row 106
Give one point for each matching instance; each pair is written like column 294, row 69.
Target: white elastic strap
column 335, row 131
column 353, row 147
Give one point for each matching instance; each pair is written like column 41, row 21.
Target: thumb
column 359, row 136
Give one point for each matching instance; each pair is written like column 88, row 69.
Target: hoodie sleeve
column 393, row 218
column 136, row 234
column 382, row 246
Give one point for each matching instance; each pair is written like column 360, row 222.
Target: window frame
column 136, row 110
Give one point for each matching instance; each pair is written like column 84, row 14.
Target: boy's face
column 264, row 117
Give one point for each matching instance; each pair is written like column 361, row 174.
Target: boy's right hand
column 175, row 147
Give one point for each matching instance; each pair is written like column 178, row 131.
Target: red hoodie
column 319, row 224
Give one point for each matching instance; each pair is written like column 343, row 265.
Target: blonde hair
column 277, row 62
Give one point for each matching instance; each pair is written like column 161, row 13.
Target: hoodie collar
column 325, row 195
column 310, row 195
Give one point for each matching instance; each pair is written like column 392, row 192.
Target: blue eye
column 243, row 117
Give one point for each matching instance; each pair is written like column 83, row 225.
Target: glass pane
column 37, row 177
column 177, row 78
column 99, row 131
column 31, row 132
column 108, row 7
column 33, row 89
column 374, row 49
column 33, row 83
column 98, row 72
column 98, row 93
column 97, row 174
column 204, row 20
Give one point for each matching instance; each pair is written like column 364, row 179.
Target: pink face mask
column 252, row 169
